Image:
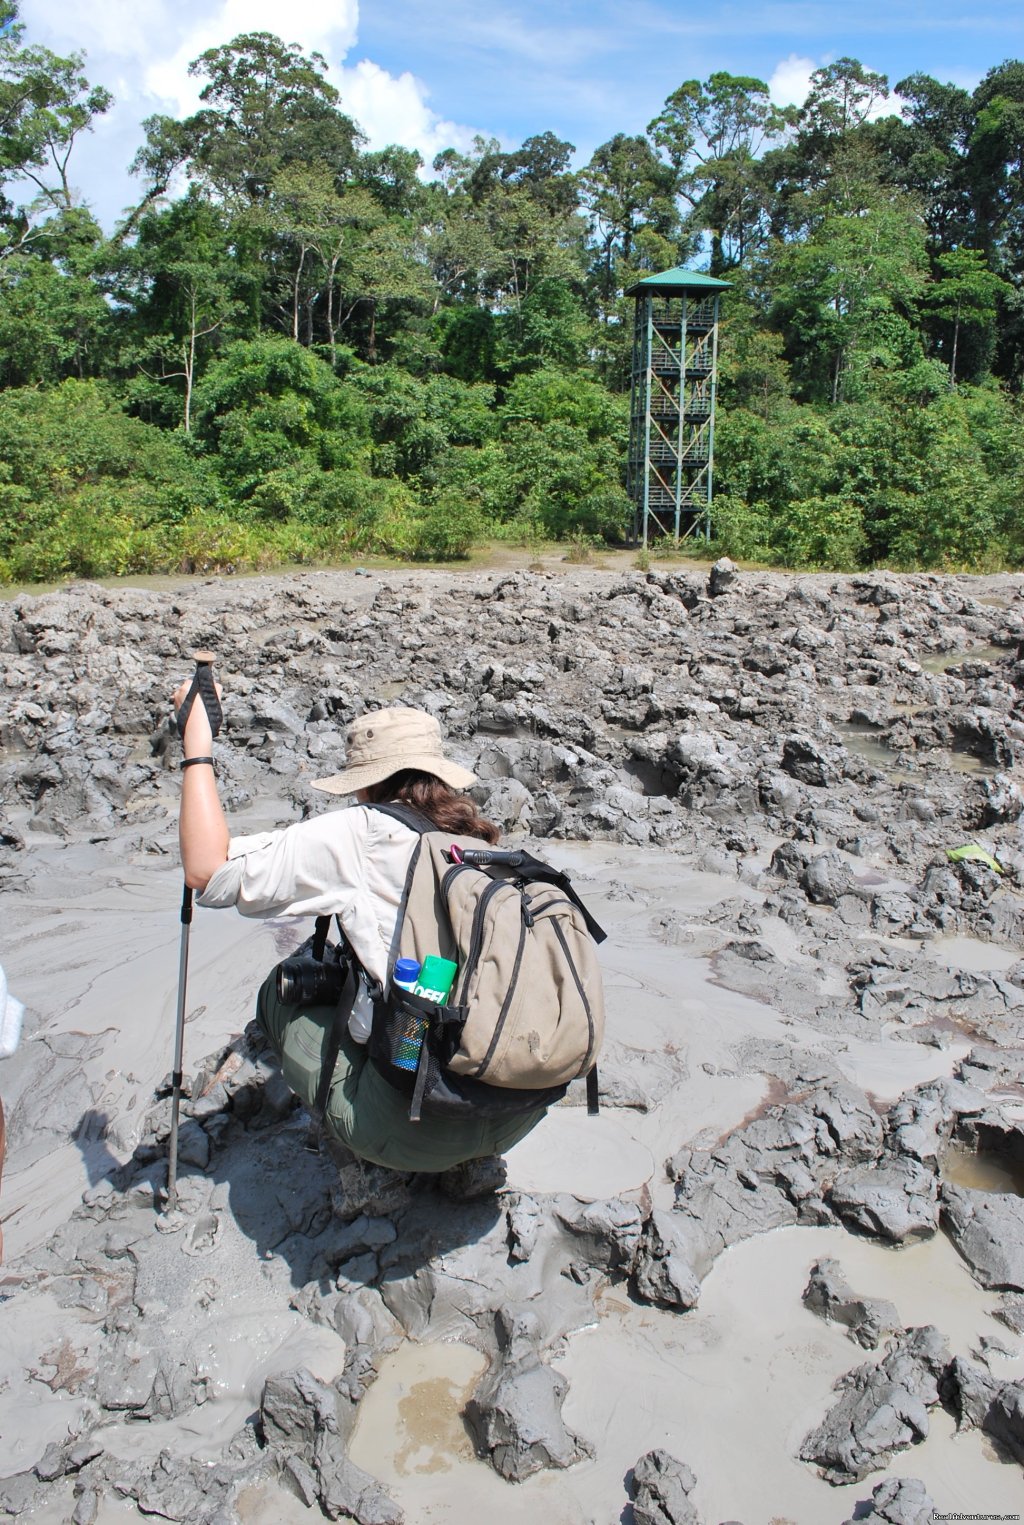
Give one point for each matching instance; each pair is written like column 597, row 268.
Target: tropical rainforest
column 292, row 348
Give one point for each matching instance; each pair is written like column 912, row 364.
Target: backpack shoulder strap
column 414, row 819
column 535, row 868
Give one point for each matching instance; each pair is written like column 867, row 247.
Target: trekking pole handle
column 479, row 857
column 202, row 684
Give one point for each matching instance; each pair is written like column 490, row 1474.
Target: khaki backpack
column 525, row 1015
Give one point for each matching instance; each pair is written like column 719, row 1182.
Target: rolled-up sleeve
column 348, row 863
column 314, row 868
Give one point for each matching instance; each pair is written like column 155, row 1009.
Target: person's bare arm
column 202, row 827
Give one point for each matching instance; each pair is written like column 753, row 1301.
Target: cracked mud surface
column 815, row 1064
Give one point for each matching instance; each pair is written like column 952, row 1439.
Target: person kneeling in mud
column 350, row 863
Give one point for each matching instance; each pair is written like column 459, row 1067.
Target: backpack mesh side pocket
column 434, row 1090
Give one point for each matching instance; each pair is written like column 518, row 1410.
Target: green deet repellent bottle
column 437, row 977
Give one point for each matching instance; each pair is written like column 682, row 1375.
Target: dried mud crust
column 808, row 747
column 633, row 707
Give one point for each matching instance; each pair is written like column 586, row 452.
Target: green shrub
column 742, row 530
column 446, row 528
column 213, row 543
column 480, row 474
column 561, row 479
column 414, row 423
column 823, row 532
column 546, row 397
column 81, row 482
column 266, row 404
column 581, row 547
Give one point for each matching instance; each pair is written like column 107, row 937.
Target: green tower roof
column 677, row 279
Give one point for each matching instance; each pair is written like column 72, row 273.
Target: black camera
column 303, row 980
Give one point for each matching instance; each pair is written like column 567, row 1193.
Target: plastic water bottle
column 409, row 1039
column 360, row 1018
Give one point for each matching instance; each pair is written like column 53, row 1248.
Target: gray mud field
column 779, row 1278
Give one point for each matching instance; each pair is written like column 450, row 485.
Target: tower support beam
column 673, row 386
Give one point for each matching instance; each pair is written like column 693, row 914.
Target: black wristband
column 188, row 762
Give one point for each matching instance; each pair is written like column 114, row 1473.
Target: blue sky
column 431, row 75
column 585, row 70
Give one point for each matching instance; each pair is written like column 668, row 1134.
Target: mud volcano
column 780, row 1277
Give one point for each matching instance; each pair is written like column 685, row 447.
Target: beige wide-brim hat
column 386, row 741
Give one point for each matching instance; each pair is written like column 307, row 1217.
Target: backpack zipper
column 503, row 1013
column 477, row 927
column 551, row 905
column 450, row 873
column 447, row 880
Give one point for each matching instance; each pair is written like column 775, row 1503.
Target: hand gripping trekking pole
column 204, row 686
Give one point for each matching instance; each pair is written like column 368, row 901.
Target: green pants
column 363, row 1111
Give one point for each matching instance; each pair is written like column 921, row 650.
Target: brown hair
column 426, row 793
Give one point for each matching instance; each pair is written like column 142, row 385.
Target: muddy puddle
column 970, row 954
column 989, row 1170
column 868, row 741
column 733, row 1386
column 411, row 1423
column 941, row 662
column 962, row 760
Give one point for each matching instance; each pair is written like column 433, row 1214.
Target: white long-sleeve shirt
column 350, row 862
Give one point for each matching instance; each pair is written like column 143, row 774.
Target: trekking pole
column 204, row 686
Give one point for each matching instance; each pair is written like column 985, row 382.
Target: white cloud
column 141, row 49
column 151, row 43
column 322, row 26
column 115, row 29
column 791, row 80
column 393, row 109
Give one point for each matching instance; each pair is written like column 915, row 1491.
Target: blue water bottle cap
column 407, row 971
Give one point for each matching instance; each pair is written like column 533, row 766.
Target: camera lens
column 302, row 981
column 288, row 988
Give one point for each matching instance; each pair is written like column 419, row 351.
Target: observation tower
column 672, row 404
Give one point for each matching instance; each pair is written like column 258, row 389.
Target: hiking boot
column 474, row 1179
column 367, row 1188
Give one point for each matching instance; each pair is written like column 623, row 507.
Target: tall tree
column 832, row 164
column 343, row 254
column 46, row 103
column 924, row 150
column 503, row 222
column 52, row 315
column 996, row 164
column 842, row 96
column 846, row 296
column 964, row 302
column 713, row 135
column 266, row 106
column 628, row 191
column 391, row 175
column 541, row 166
column 179, row 293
